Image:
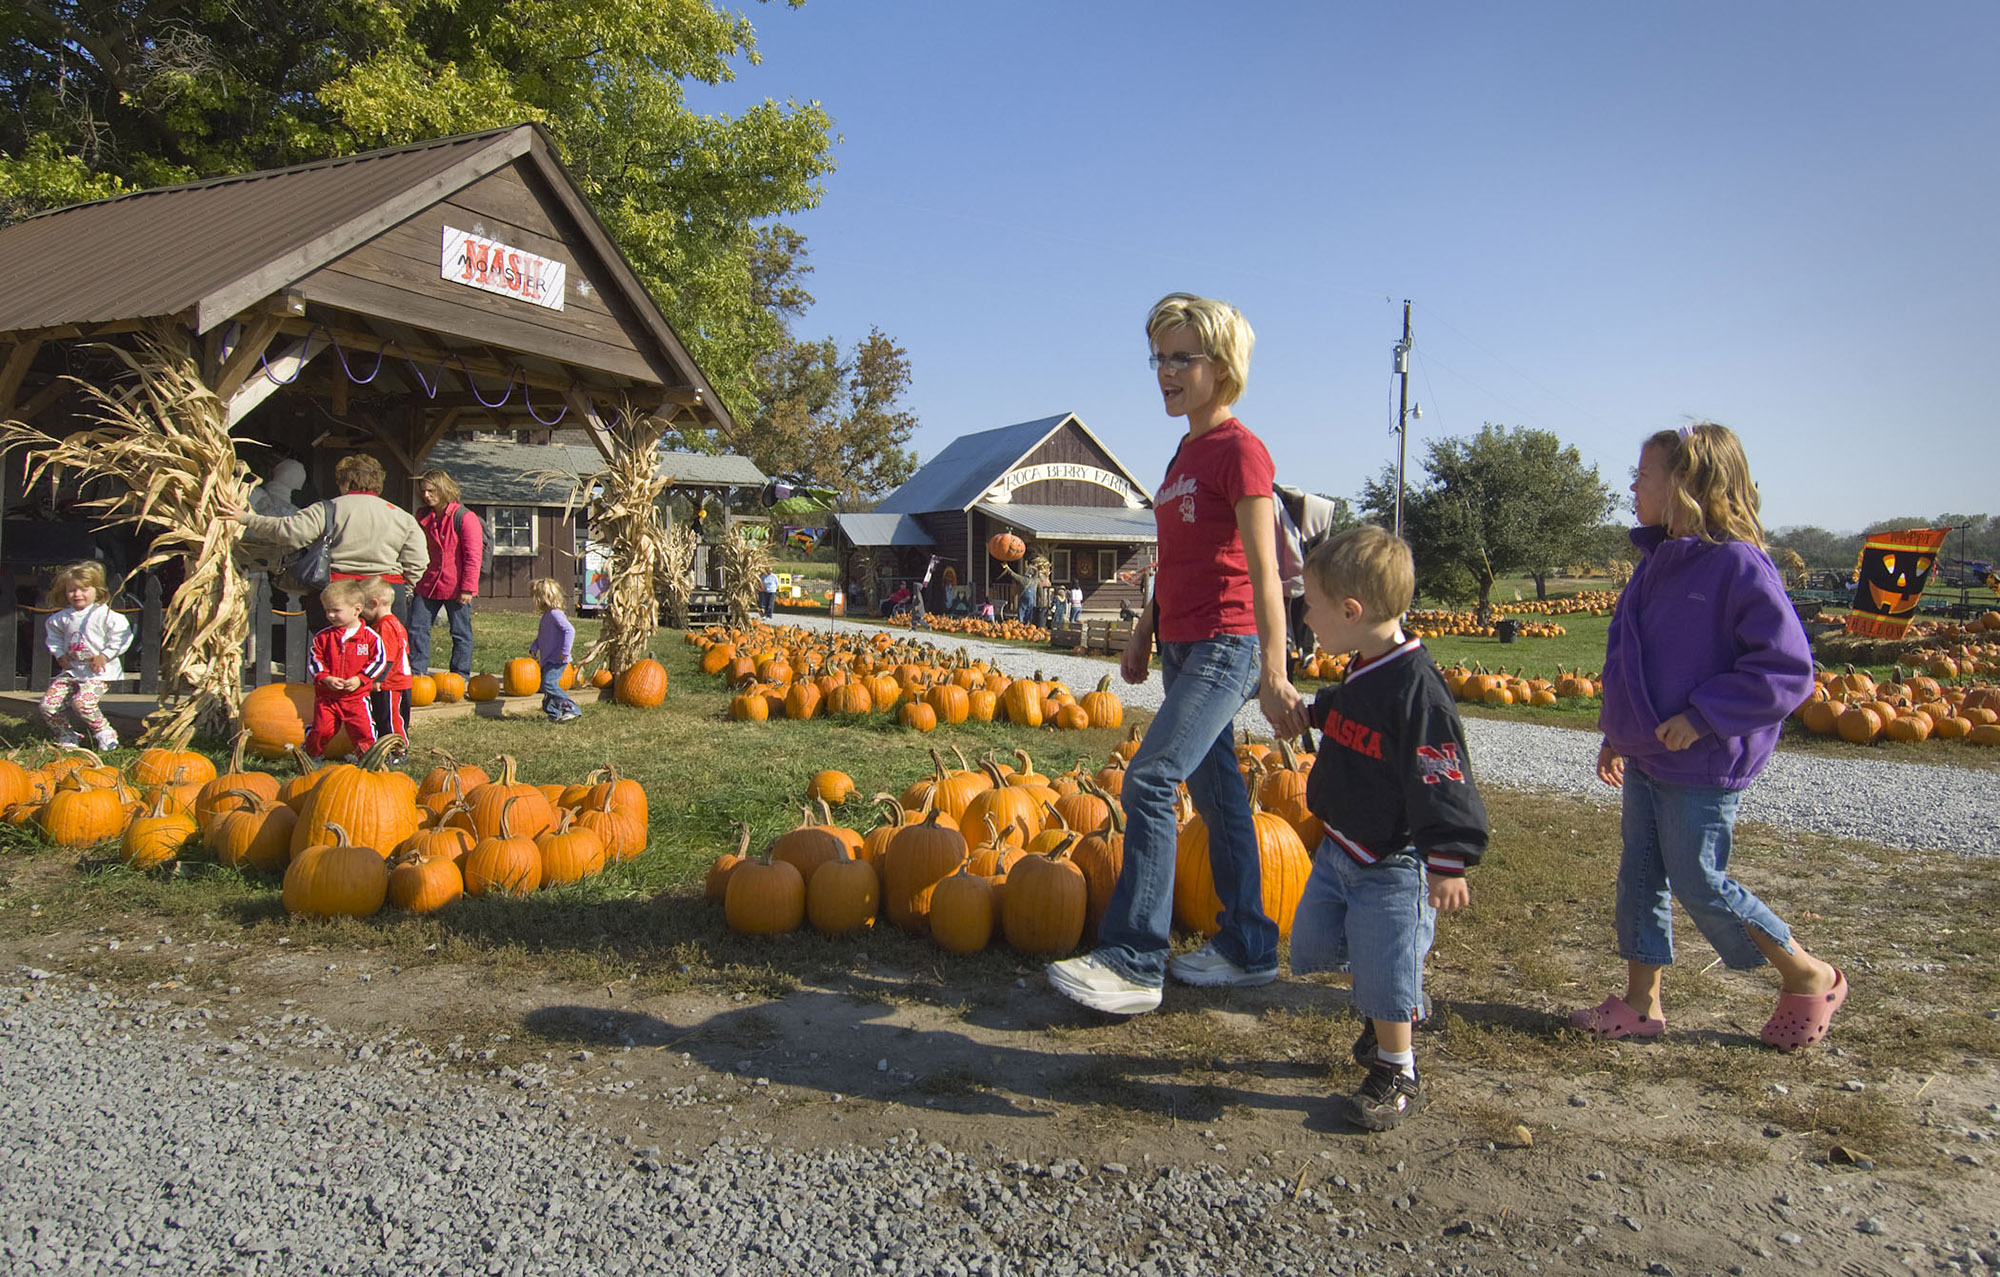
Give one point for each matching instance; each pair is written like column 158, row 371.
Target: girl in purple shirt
column 1705, row 659
column 552, row 648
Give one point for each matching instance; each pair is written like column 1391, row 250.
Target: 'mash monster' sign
column 1890, row 579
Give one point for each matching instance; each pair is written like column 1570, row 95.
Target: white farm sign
column 489, row 265
column 1002, row 490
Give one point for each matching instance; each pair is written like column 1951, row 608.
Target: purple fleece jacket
column 1706, row 631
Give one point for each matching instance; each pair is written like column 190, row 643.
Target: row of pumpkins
column 969, row 852
column 277, row 714
column 1430, row 624
column 1479, row 687
column 346, row 836
column 977, row 627
column 1907, row 708
column 798, row 674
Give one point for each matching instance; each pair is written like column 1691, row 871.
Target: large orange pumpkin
column 277, row 714
column 375, row 805
column 504, row 860
column 1006, row 547
column 335, row 880
column 533, row 815
column 524, row 676
column 482, row 687
column 643, row 684
column 1282, row 860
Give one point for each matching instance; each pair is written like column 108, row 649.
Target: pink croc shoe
column 1613, row 1018
column 1803, row 1018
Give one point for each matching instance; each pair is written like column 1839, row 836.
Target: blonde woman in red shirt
column 1218, row 616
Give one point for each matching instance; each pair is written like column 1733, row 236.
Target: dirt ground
column 1561, row 1173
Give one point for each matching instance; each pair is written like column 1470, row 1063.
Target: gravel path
column 135, row 1135
column 1909, row 805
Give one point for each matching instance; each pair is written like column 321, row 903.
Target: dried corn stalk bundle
column 625, row 518
column 676, row 583
column 164, row 436
column 744, row 560
column 864, row 578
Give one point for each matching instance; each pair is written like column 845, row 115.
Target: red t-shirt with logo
column 1203, row 586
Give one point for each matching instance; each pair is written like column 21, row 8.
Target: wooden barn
column 1051, row 482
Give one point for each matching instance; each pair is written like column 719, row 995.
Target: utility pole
column 1402, row 411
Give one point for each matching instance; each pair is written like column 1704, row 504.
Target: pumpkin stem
column 1027, row 765
column 236, row 754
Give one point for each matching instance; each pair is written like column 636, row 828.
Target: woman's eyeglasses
column 1177, row 362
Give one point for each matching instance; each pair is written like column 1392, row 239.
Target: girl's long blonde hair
column 1714, row 496
column 547, row 591
column 86, row 572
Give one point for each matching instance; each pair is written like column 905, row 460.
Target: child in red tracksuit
column 389, row 704
column 348, row 661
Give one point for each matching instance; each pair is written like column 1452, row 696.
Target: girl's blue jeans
column 1677, row 841
column 1192, row 738
column 555, row 701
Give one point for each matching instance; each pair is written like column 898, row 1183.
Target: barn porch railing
column 276, row 651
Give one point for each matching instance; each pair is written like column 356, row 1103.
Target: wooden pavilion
column 384, row 302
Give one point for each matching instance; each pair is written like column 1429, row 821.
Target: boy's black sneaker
column 1385, row 1097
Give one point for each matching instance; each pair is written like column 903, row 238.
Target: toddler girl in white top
column 86, row 638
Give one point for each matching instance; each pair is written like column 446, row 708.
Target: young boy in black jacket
column 1403, row 820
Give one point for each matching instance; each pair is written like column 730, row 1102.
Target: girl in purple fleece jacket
column 1704, row 661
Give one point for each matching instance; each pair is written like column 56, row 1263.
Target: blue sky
column 1609, row 217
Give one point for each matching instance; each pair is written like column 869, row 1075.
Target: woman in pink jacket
column 456, row 542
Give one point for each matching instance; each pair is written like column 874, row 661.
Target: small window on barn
column 1107, row 565
column 512, row 528
column 1059, row 570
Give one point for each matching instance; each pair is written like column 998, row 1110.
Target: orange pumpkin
column 642, row 685
column 523, row 676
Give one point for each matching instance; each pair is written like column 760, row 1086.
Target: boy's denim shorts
column 1372, row 920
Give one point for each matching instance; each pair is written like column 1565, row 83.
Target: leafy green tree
column 99, row 95
column 1502, row 502
column 832, row 417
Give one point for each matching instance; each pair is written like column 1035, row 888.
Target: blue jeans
column 1677, row 840
column 423, row 615
column 1374, row 920
column 555, row 701
column 1192, row 738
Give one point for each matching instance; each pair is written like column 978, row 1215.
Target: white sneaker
column 1101, row 987
column 107, row 740
column 1208, row 968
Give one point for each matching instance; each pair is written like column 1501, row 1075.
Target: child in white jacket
column 86, row 638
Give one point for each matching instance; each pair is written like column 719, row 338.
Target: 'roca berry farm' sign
column 488, row 264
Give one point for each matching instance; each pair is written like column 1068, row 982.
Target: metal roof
column 960, row 475
column 170, row 249
column 1075, row 523
column 880, row 529
column 491, row 472
column 208, row 250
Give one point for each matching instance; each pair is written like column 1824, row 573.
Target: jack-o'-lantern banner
column 1891, row 574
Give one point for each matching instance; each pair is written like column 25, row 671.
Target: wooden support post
column 151, row 629
column 295, row 639
column 19, row 360
column 40, row 669
column 10, row 620
column 243, row 358
column 600, row 434
column 428, row 436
